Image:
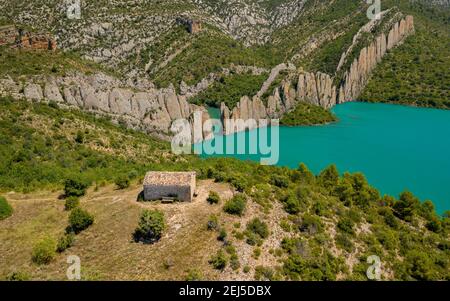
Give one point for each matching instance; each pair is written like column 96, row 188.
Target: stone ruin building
column 8, row 35
column 192, row 26
column 19, row 38
column 169, row 186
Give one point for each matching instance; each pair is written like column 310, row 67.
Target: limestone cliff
column 319, row 88
column 356, row 78
column 140, row 106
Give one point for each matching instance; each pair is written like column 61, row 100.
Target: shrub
column 79, row 138
column 390, row 219
column 150, row 228
column 239, row 235
column 65, row 242
column 213, row 198
column 256, row 253
column 444, row 245
column 213, row 223
column 79, row 220
column 262, row 195
column 75, row 187
column 133, row 174
column 310, row 224
column 44, row 251
column 193, row 275
column 239, row 182
column 71, row 203
column 293, row 267
column 319, row 208
column 258, row 227
column 218, row 261
column 346, row 225
column 53, row 104
column 18, row 276
column 5, row 209
column 305, row 175
column 344, row 242
column 122, row 182
column 234, row 262
column 329, row 177
column 236, row 205
column 264, row 273
column 291, row 204
column 279, row 181
column 253, row 239
column 386, row 237
column 285, row 225
column 222, row 235
column 406, row 206
column 434, row 225
column 293, row 245
column 419, row 265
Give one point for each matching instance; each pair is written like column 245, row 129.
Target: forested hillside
column 417, row 73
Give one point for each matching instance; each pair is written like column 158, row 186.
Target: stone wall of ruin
column 157, row 192
column 193, row 26
column 38, row 42
column 8, row 35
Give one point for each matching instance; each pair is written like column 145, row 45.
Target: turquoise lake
column 396, row 147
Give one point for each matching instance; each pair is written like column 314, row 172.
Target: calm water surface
column 396, row 147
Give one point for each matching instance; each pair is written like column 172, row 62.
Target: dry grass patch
column 106, row 249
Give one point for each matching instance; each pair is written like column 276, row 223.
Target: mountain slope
column 417, row 73
column 146, row 40
column 319, row 228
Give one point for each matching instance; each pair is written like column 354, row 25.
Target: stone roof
column 169, row 178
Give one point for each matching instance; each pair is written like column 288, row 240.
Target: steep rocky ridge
column 119, row 35
column 115, row 32
column 319, row 88
column 252, row 21
column 140, row 106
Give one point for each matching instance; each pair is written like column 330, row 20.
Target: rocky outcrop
column 192, row 26
column 317, row 88
column 356, row 78
column 272, row 76
column 33, row 92
column 205, row 83
column 18, row 38
column 36, row 41
column 366, row 29
column 251, row 21
column 313, row 88
column 151, row 110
